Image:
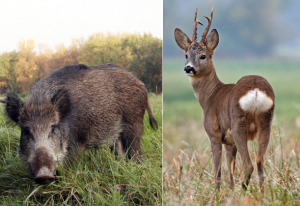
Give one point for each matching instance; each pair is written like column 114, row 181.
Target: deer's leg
column 262, row 147
column 231, row 156
column 263, row 141
column 216, row 147
column 240, row 138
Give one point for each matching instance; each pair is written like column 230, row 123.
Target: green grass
column 188, row 170
column 96, row 177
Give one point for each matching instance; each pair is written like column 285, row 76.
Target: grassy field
column 188, row 170
column 97, row 177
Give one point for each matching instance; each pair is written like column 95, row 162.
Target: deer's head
column 198, row 54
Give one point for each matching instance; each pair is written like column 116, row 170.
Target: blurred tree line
column 246, row 28
column 139, row 54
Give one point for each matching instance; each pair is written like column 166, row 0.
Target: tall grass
column 188, row 169
column 96, row 177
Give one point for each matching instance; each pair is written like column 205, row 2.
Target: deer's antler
column 202, row 42
column 196, row 21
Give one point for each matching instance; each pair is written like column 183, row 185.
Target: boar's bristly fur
column 79, row 107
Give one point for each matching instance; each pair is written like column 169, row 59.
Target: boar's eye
column 26, row 132
column 53, row 128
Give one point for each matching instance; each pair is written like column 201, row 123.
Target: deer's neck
column 205, row 87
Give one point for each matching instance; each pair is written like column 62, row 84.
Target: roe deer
column 233, row 113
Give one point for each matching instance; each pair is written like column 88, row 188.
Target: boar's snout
column 43, row 166
column 44, row 179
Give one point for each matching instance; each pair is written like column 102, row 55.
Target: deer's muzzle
column 189, row 70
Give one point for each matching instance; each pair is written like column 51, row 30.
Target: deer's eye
column 186, row 56
column 202, row 57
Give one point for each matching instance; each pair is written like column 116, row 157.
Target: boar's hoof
column 46, row 179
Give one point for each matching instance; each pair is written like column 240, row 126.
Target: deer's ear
column 182, row 40
column 212, row 40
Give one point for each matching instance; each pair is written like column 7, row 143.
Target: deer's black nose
column 189, row 70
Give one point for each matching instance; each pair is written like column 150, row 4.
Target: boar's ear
column 13, row 106
column 61, row 102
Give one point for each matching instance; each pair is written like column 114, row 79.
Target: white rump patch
column 256, row 101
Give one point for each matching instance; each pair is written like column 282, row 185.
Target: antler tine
column 196, row 21
column 208, row 26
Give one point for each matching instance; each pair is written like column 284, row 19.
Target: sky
column 57, row 22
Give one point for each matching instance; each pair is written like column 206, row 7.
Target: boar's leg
column 131, row 140
column 118, row 148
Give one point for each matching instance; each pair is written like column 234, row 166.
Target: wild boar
column 75, row 108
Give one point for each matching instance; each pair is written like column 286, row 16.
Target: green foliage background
column 140, row 54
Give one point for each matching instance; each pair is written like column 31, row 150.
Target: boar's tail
column 152, row 120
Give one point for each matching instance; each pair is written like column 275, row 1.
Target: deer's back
column 101, row 97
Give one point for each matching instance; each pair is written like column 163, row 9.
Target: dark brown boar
column 75, row 108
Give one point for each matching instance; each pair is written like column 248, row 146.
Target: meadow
column 96, row 177
column 187, row 168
